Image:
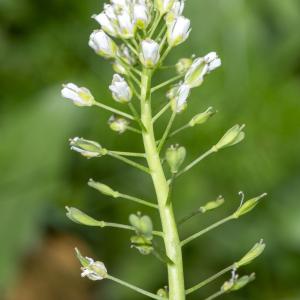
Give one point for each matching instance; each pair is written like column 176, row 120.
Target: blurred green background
column 44, row 44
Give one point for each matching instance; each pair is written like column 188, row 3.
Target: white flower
column 126, row 24
column 95, row 270
column 80, row 96
column 149, row 55
column 164, row 5
column 179, row 95
column 118, row 124
column 178, row 31
column 102, row 44
column 87, row 148
column 120, row 89
column 141, row 15
column 200, row 67
column 106, row 23
column 175, row 12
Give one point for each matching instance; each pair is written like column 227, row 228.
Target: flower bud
column 142, row 244
column 233, row 136
column 179, row 95
column 256, row 251
column 80, row 96
column 200, row 67
column 163, row 293
column 80, row 217
column 248, row 206
column 104, row 189
column 178, row 31
column 175, row 157
column 164, row 6
column 87, row 148
column 202, row 117
column 141, row 15
column 242, row 282
column 91, row 269
column 142, row 224
column 106, row 24
column 175, row 12
column 183, row 65
column 126, row 24
column 120, row 89
column 212, row 205
column 102, row 44
column 149, row 55
column 118, row 124
column 119, row 68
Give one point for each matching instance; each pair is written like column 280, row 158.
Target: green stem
column 130, row 154
column 161, row 112
column 171, row 238
column 200, row 233
column 195, row 162
column 137, row 200
column 165, row 83
column 186, row 126
column 113, row 110
column 136, row 115
column 129, row 162
column 135, row 288
column 209, row 280
column 134, row 130
column 103, row 224
column 167, row 131
column 216, row 295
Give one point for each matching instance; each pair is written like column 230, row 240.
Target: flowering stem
column 140, row 201
column 135, row 288
column 206, row 230
column 129, row 162
column 209, row 280
column 130, row 154
column 167, row 131
column 113, row 110
column 165, row 83
column 161, row 112
column 103, row 224
column 171, row 238
column 216, row 295
column 196, row 161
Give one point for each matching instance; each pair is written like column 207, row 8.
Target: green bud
column 175, row 157
column 87, row 148
column 118, row 124
column 256, row 251
column 202, row 117
column 231, row 137
column 163, row 293
column 248, row 206
column 142, row 224
column 79, row 217
column 183, row 65
column 103, row 188
column 118, row 68
column 243, row 281
column 142, row 244
column 212, row 205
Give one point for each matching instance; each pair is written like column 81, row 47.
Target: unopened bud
column 102, row 44
column 118, row 124
column 142, row 225
column 256, row 251
column 183, row 65
column 80, row 217
column 243, row 281
column 80, row 96
column 178, row 31
column 202, row 117
column 103, row 188
column 248, row 206
column 142, row 244
column 87, row 148
column 163, row 293
column 175, row 156
column 212, row 205
column 233, row 136
column 149, row 55
column 118, row 68
column 120, row 89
